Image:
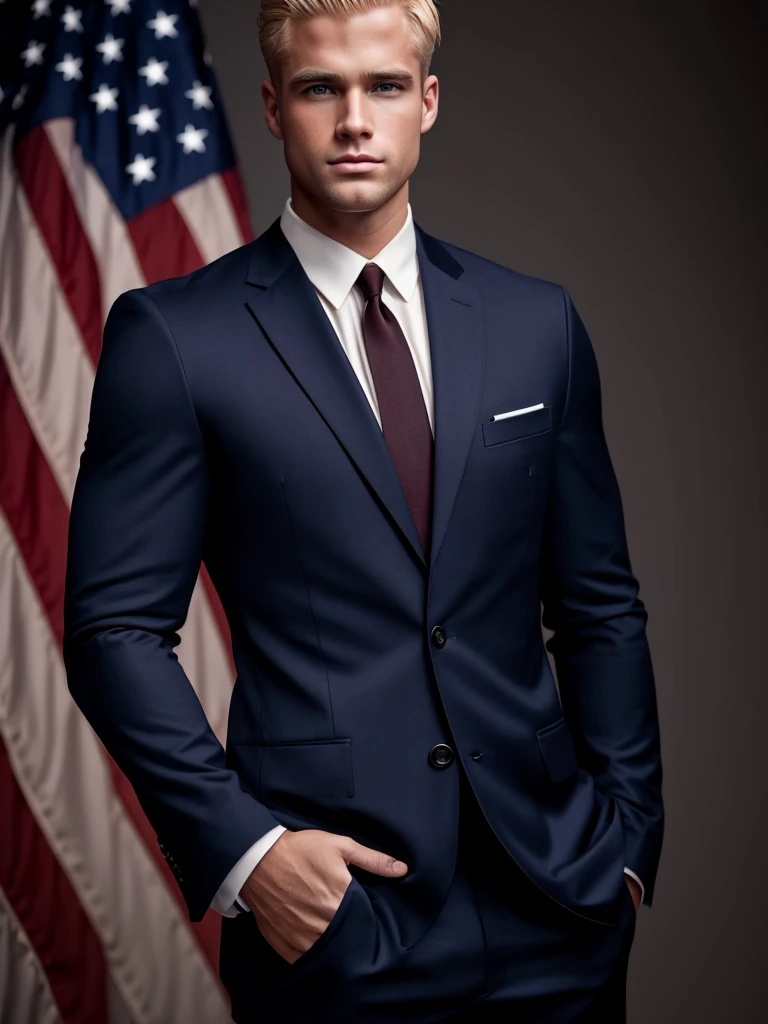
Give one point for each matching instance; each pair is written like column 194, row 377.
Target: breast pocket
column 514, row 428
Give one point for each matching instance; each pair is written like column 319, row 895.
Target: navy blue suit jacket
column 227, row 425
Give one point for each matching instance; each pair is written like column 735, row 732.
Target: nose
column 355, row 121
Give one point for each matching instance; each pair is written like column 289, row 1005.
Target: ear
column 271, row 108
column 430, row 101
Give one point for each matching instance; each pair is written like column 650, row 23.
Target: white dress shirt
column 333, row 269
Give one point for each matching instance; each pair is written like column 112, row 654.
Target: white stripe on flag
column 152, row 955
column 104, row 228
column 204, row 659
column 207, row 212
column 25, row 995
column 118, row 1011
column 44, row 351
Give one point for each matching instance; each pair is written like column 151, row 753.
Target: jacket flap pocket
column 558, row 750
column 311, row 768
column 515, row 427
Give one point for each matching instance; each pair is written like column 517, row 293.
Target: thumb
column 372, row 860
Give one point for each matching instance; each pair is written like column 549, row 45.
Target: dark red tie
column 404, row 419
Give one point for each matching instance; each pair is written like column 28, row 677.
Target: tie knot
column 371, row 280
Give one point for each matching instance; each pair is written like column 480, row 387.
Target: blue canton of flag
column 136, row 79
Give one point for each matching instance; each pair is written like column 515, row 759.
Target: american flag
column 116, row 170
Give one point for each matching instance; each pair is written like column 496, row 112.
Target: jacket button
column 439, row 637
column 440, row 756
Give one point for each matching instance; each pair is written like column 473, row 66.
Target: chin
column 359, row 196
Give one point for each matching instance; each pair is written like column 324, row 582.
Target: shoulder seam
column 158, row 314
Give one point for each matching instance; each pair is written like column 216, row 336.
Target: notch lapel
column 457, row 355
column 285, row 305
column 287, row 309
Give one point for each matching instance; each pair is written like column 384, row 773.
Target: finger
column 372, row 860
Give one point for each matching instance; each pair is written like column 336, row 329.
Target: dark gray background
column 619, row 148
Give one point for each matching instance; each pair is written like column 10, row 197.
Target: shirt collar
column 333, row 268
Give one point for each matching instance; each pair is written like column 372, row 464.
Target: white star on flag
column 18, row 99
column 200, row 95
column 111, row 49
column 154, row 71
column 71, row 19
column 33, row 53
column 146, row 119
column 192, row 139
column 41, row 7
column 141, row 169
column 70, row 67
column 104, row 98
column 164, row 25
column 119, row 7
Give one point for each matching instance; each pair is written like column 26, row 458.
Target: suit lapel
column 292, row 317
column 457, row 355
column 286, row 307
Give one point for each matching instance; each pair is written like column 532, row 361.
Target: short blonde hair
column 275, row 17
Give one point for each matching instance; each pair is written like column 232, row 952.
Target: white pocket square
column 517, row 412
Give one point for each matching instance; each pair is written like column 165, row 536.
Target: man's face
column 352, row 86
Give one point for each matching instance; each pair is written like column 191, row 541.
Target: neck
column 365, row 232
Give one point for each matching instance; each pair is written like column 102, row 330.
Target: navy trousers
column 500, row 949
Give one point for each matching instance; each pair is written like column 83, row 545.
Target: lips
column 358, row 164
column 359, row 158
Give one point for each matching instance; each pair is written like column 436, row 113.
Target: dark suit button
column 440, row 756
column 439, row 637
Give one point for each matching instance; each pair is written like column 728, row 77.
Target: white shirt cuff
column 225, row 901
column 631, row 873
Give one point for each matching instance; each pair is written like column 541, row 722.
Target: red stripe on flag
column 39, row 519
column 49, row 911
column 164, row 246
column 33, row 504
column 54, row 210
column 233, row 183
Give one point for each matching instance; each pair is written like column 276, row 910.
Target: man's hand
column 298, row 885
column 635, row 891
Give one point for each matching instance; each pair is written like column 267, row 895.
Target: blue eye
column 389, row 88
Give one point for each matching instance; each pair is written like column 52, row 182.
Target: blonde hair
column 275, row 17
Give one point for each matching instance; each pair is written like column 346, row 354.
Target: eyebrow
column 317, row 75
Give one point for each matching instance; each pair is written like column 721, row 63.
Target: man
column 389, row 453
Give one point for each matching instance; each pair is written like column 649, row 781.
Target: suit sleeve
column 136, row 534
column 591, row 604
